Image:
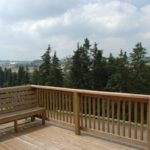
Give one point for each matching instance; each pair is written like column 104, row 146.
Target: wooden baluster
column 129, row 119
column 89, row 101
column 54, row 105
column 57, row 104
column 93, row 113
column 39, row 93
column 48, row 107
column 51, row 104
column 41, row 98
column 47, row 97
column 70, row 108
column 98, row 112
column 63, row 106
column 118, row 117
column 85, row 111
column 135, row 120
column 81, row 108
column 108, row 112
column 103, row 114
column 73, row 110
column 124, row 117
column 142, row 120
column 37, row 96
column 60, row 95
column 67, row 108
column 148, row 124
column 45, row 101
column 112, row 105
column 76, row 113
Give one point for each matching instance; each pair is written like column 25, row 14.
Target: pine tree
column 45, row 68
column 80, row 70
column 21, row 76
column 138, row 67
column 56, row 72
column 75, row 72
column 99, row 75
column 1, row 77
column 35, row 76
column 66, row 71
column 14, row 78
column 111, row 67
column 26, row 76
column 119, row 80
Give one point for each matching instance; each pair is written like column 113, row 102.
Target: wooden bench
column 19, row 103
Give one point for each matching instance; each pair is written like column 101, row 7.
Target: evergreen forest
column 87, row 69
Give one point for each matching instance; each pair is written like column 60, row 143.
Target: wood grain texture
column 37, row 137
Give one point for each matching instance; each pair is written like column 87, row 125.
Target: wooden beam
column 16, row 125
column 76, row 113
column 148, row 124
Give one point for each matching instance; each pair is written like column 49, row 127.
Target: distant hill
column 36, row 62
column 15, row 63
column 147, row 59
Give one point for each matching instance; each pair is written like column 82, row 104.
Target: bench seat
column 18, row 103
column 21, row 114
column 11, row 116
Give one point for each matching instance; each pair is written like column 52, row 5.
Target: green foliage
column 140, row 72
column 87, row 69
column 35, row 76
column 119, row 79
column 9, row 78
column 45, row 68
column 50, row 72
column 80, row 68
column 56, row 72
column 98, row 69
column 66, row 71
column 23, row 76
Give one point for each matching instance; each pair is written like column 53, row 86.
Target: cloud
column 29, row 26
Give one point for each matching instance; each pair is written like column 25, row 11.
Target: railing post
column 76, row 113
column 148, row 124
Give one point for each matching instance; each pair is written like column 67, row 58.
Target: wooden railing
column 125, row 117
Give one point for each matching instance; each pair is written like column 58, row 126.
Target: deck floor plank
column 34, row 136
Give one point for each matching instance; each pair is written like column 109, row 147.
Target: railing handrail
column 92, row 92
column 15, row 88
column 80, row 91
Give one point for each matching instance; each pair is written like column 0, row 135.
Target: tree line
column 87, row 69
column 9, row 78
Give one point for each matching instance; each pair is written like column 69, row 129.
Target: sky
column 27, row 27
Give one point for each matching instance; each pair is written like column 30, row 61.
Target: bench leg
column 32, row 118
column 43, row 118
column 16, row 125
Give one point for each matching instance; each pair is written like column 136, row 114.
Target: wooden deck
column 34, row 136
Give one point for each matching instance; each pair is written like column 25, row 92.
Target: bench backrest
column 17, row 98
